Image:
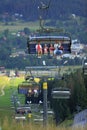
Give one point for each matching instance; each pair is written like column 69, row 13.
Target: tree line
column 29, row 8
column 78, row 99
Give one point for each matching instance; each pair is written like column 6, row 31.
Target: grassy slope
column 30, row 126
column 19, row 26
column 10, row 86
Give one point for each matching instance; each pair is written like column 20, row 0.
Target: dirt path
column 3, row 85
column 2, row 91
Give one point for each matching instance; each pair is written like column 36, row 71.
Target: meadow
column 19, row 25
column 29, row 126
column 8, row 86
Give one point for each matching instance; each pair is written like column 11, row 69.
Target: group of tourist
column 53, row 49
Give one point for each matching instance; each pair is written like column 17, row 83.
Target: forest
column 78, row 99
column 29, row 8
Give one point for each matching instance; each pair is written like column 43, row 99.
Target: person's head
column 38, row 42
column 51, row 45
column 45, row 45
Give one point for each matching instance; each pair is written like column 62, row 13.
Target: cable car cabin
column 29, row 88
column 47, row 45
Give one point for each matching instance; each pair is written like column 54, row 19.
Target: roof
column 49, row 38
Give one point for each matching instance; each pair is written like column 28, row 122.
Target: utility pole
column 45, row 116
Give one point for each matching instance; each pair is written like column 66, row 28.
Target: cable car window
column 49, row 44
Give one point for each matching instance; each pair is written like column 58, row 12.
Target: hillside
column 29, row 9
column 20, row 18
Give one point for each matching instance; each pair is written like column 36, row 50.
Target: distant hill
column 58, row 8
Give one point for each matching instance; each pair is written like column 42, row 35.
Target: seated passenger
column 58, row 49
column 51, row 49
column 45, row 49
column 39, row 49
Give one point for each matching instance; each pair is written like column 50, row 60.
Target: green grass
column 19, row 26
column 29, row 126
column 4, row 100
column 10, row 87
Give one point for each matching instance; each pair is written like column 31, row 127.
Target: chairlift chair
column 29, row 88
column 48, row 40
column 23, row 110
column 60, row 93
